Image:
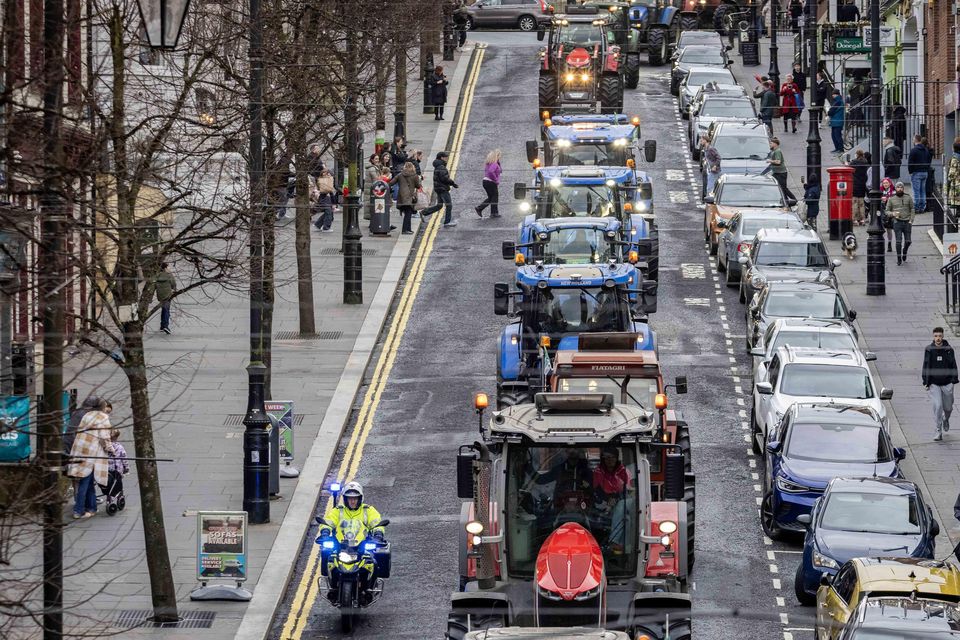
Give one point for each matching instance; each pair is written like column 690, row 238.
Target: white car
column 812, row 333
column 806, row 375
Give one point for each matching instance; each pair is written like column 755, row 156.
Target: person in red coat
column 790, row 104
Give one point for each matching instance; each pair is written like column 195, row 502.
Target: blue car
column 812, row 445
column 862, row 517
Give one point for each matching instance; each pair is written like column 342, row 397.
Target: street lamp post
column 876, row 285
column 814, row 153
column 163, row 21
column 352, row 247
column 774, row 72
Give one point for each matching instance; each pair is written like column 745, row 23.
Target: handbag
column 423, row 200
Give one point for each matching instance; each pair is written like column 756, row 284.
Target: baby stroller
column 113, row 492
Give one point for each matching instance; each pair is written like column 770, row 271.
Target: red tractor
column 579, row 67
column 561, row 528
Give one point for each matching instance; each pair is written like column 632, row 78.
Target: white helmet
column 352, row 490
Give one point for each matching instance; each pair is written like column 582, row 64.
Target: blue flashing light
column 335, row 487
column 370, row 547
column 327, row 544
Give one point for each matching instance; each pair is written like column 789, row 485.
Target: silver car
column 692, row 37
column 780, row 255
column 507, row 14
column 812, row 333
column 717, row 108
column 738, row 234
column 696, row 55
column 697, row 77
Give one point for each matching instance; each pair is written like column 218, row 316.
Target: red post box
column 840, row 203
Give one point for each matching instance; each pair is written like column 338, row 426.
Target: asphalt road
column 742, row 584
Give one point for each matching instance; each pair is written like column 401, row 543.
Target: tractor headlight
column 474, row 527
column 555, row 182
column 665, row 541
column 668, row 526
column 825, row 562
column 586, row 595
column 563, row 143
column 620, row 142
column 641, row 206
column 610, row 183
column 524, row 206
column 569, row 77
column 549, row 595
column 584, row 77
column 543, row 235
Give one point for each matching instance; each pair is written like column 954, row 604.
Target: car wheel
column 732, row 278
column 803, row 597
column 754, row 432
column 714, row 246
column 767, row 519
column 721, row 268
column 527, row 23
column 743, row 296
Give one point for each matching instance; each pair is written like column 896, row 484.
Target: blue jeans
column 918, row 180
column 443, row 200
column 325, row 220
column 836, row 134
column 86, row 497
column 164, row 315
column 711, row 181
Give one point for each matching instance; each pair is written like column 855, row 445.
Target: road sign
column 951, row 247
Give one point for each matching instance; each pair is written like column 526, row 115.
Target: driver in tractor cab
column 610, row 484
column 572, row 479
column 353, row 516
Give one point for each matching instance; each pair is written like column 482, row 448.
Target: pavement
column 198, row 393
column 896, row 326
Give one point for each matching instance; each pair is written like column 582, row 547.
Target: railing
column 951, row 283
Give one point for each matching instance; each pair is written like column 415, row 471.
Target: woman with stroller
column 89, row 457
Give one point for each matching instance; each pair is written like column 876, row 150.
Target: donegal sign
column 849, row 45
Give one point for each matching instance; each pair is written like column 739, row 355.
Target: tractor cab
column 561, row 528
column 575, row 241
column 589, row 140
column 553, row 304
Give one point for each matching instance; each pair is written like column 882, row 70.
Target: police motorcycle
column 354, row 559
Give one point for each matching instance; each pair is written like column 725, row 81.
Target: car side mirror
column 805, row 519
column 825, row 580
column 650, row 150
column 519, row 190
column 899, row 454
column 508, row 249
column 681, row 384
column 710, row 200
column 728, row 63
column 851, row 315
column 758, row 352
column 773, row 447
column 934, row 528
column 764, row 388
column 533, row 151
column 869, row 356
column 835, row 263
column 791, row 202
column 743, row 260
column 501, row 298
column 886, row 394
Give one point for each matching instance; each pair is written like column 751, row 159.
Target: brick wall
column 940, row 64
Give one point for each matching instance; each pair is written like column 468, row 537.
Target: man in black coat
column 441, row 186
column 860, row 167
column 939, row 374
column 892, row 159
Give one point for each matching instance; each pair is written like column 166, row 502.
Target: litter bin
column 380, row 215
column 840, row 202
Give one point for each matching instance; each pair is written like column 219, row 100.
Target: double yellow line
column 308, row 587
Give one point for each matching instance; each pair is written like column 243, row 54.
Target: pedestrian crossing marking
column 679, row 197
column 692, row 271
column 675, row 175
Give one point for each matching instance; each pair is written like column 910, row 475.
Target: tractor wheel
column 718, row 15
column 547, row 89
column 509, row 398
column 690, row 498
column 459, row 624
column 657, row 47
column 610, row 93
column 527, row 23
column 767, row 520
column 680, row 630
column 683, row 441
column 689, row 23
column 803, row 597
column 631, row 71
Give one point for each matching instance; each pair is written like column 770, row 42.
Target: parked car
column 812, row 376
column 738, row 233
column 812, row 300
column 694, row 37
column 697, row 77
column 861, row 517
column 743, row 147
column 902, row 616
column 695, row 55
column 507, row 14
column 717, row 107
column 785, row 254
column 865, row 579
column 803, row 332
column 811, row 445
column 734, row 194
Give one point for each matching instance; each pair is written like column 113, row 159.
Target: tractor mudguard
column 650, row 610
column 647, row 341
column 508, row 356
column 481, row 602
column 467, row 568
column 667, row 16
column 637, row 15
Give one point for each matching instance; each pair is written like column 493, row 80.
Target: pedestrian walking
column 799, row 77
column 952, row 186
column 761, row 86
column 76, row 417
column 918, row 164
column 796, row 10
column 408, row 183
column 769, row 105
column 778, row 168
column 314, row 161
column 836, row 116
column 790, row 103
column 322, row 196
column 437, row 85
column 900, row 209
column 441, row 187
column 898, row 125
column 371, row 175
column 887, row 190
column 460, row 21
column 892, row 159
column 811, row 197
column 861, row 168
column 491, row 184
column 821, row 93
column 89, row 458
column 713, row 162
column 765, row 18
column 164, row 285
column 939, row 374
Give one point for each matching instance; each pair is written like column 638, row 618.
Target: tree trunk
column 308, row 323
column 400, row 88
column 162, row 589
column 269, row 291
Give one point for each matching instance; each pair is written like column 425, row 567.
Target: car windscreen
column 871, row 513
column 814, row 339
column 699, row 77
column 733, row 194
column 791, row 254
column 688, row 38
column 582, row 200
column 751, row 226
column 836, row 442
column 826, row 381
column 734, row 109
column 578, row 246
column 805, row 304
column 702, row 55
column 742, row 147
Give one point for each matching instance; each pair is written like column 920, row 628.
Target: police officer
column 351, row 513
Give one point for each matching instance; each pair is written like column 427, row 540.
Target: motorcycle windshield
column 352, row 532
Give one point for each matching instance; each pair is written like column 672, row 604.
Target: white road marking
column 697, row 302
column 776, row 584
column 692, row 271
column 774, row 568
column 679, row 197
column 675, row 175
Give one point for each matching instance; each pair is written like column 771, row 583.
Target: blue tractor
column 594, row 192
column 552, row 305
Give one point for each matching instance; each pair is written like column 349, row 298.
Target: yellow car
column 862, row 578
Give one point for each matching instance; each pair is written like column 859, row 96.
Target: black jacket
column 811, row 196
column 437, row 84
column 892, row 156
column 823, row 92
column 919, row 159
column 441, row 177
column 939, row 365
column 860, row 167
column 398, row 156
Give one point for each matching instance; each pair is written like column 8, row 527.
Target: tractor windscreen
column 637, row 391
column 580, row 34
column 578, row 246
column 589, row 155
column 561, row 311
column 582, row 200
column 548, row 486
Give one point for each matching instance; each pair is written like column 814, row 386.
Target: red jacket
column 789, row 93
